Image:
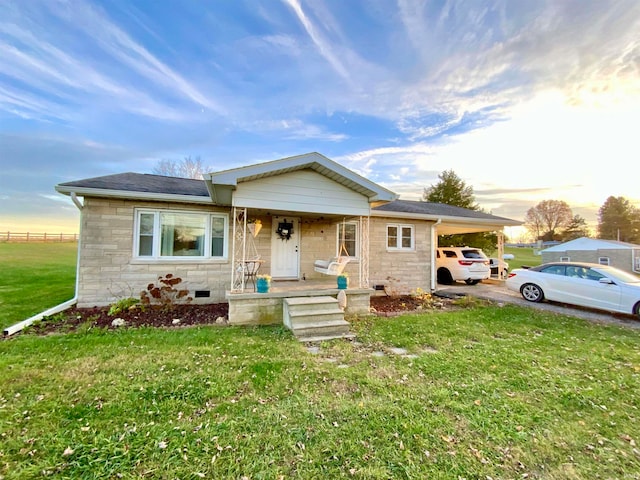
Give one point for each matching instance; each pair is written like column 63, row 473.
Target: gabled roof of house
column 219, row 183
column 141, row 186
column 590, row 244
column 451, row 219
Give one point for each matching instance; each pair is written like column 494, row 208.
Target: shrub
column 122, row 305
column 425, row 298
column 165, row 292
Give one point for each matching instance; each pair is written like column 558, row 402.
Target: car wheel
column 444, row 276
column 532, row 292
column 636, row 309
column 468, row 281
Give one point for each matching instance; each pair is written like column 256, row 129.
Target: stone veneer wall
column 108, row 271
column 400, row 271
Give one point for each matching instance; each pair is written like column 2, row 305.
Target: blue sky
column 525, row 101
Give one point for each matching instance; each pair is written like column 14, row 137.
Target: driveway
column 497, row 292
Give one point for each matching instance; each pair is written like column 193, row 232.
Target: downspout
column 63, row 306
column 434, row 249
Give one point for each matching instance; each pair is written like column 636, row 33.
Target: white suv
column 461, row 263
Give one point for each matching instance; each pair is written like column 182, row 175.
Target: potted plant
column 263, row 283
column 343, row 281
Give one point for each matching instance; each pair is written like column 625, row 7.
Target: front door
column 285, row 248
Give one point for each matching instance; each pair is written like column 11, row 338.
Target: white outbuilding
column 625, row 256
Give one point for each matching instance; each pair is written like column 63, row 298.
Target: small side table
column 251, row 268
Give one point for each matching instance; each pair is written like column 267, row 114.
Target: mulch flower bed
column 150, row 316
column 189, row 314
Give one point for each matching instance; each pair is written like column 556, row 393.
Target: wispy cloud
column 123, row 47
column 56, row 71
column 398, row 92
column 324, row 47
column 293, row 129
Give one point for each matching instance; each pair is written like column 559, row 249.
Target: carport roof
column 454, row 220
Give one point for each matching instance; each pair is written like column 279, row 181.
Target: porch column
column 363, row 272
column 239, row 249
column 500, row 235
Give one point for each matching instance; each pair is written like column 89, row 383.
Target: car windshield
column 620, row 275
column 473, row 254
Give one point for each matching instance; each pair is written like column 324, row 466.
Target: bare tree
column 547, row 217
column 185, row 168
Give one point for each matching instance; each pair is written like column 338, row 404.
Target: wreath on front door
column 285, row 229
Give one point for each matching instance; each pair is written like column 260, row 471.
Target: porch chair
column 335, row 265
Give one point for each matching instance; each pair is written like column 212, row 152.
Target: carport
column 450, row 220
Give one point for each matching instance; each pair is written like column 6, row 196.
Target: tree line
column 618, row 219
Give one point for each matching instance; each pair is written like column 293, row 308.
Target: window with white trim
column 400, row 237
column 350, row 238
column 565, row 259
column 604, row 261
column 169, row 234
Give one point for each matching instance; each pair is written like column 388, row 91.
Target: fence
column 38, row 237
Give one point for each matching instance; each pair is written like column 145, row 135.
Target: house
column 282, row 218
column 625, row 256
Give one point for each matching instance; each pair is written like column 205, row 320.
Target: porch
column 252, row 308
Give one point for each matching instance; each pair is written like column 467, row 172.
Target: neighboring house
column 625, row 256
column 138, row 227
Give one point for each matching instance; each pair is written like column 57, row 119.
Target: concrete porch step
column 322, row 338
column 330, row 327
column 315, row 318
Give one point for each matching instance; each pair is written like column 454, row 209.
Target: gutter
column 63, row 306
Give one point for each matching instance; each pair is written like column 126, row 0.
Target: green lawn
column 523, row 256
column 486, row 392
column 35, row 277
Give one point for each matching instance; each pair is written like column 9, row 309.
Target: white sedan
column 585, row 284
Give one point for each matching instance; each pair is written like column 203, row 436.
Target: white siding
column 301, row 191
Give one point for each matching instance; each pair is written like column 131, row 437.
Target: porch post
column 363, row 272
column 500, row 254
column 239, row 249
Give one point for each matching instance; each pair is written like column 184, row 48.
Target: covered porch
column 288, row 217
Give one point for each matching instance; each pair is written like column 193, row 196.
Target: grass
column 523, row 256
column 486, row 392
column 35, row 277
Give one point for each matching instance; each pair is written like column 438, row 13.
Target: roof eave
column 448, row 218
column 128, row 194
